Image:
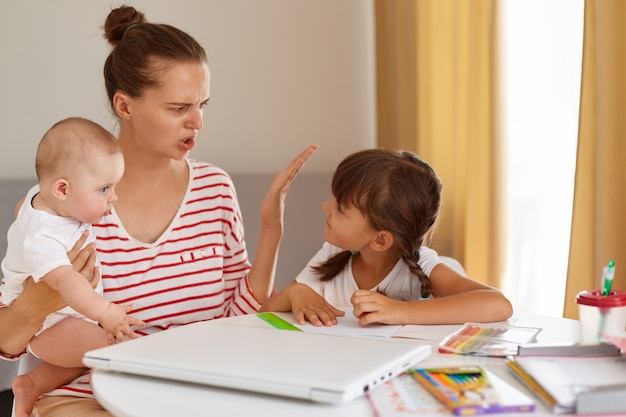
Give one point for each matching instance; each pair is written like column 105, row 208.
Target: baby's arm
column 305, row 304
column 20, row 320
column 456, row 299
column 79, row 295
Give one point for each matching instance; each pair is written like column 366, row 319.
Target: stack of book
column 568, row 382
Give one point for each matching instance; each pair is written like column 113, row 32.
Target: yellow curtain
column 437, row 96
column 599, row 216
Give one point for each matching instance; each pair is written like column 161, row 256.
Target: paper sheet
column 349, row 325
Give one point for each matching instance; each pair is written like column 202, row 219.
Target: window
column 541, row 61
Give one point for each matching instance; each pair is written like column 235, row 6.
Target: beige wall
column 285, row 73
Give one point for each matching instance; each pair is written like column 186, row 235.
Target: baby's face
column 91, row 195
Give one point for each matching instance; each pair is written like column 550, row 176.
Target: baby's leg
column 62, row 348
column 65, row 343
column 44, row 378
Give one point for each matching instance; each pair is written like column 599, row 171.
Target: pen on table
column 607, row 278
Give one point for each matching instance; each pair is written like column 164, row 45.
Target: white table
column 134, row 396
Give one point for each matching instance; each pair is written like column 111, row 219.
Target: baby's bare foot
column 25, row 393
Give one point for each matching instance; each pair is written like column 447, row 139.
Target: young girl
column 385, row 205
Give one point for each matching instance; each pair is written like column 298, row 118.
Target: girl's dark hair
column 142, row 51
column 397, row 192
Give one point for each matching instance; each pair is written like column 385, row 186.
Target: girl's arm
column 305, row 304
column 456, row 299
column 20, row 320
column 261, row 276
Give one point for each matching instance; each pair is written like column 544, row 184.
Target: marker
column 607, row 278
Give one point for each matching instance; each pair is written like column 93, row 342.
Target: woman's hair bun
column 119, row 21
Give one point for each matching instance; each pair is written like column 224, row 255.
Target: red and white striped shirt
column 197, row 270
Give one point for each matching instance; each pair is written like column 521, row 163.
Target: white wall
column 284, row 73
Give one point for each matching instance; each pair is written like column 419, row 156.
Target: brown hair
column 397, row 192
column 142, row 51
column 68, row 146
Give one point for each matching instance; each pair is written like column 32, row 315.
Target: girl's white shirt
column 399, row 284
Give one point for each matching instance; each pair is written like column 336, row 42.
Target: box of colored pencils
column 470, row 390
column 488, row 339
column 483, row 339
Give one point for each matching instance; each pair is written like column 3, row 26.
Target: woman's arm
column 261, row 277
column 20, row 320
column 456, row 299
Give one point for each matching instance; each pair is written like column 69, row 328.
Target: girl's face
column 346, row 227
column 166, row 119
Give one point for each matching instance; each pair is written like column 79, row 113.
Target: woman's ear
column 382, row 241
column 60, row 188
column 121, row 105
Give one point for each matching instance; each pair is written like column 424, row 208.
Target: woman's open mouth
column 188, row 144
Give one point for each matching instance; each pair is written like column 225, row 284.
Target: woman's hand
column 20, row 321
column 48, row 300
column 84, row 260
column 273, row 205
column 261, row 277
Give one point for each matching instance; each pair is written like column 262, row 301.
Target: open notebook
column 317, row 367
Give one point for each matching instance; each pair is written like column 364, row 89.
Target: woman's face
column 165, row 120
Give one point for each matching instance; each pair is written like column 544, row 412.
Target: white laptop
column 316, row 367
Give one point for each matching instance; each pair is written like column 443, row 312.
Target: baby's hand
column 117, row 323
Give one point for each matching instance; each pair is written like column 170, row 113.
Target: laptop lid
column 317, row 367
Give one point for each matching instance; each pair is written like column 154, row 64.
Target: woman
column 173, row 246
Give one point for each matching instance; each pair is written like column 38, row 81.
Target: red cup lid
column 616, row 298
